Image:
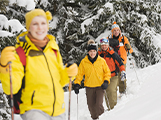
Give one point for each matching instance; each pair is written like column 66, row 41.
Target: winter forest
column 76, row 21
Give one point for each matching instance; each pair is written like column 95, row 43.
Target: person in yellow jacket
column 125, row 47
column 97, row 77
column 42, row 96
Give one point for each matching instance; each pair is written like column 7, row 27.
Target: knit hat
column 104, row 41
column 37, row 12
column 114, row 26
column 91, row 45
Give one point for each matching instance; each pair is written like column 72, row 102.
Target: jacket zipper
column 52, row 82
column 32, row 97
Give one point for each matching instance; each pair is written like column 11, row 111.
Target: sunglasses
column 104, row 40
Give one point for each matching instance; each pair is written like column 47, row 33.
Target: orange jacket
column 113, row 61
column 123, row 51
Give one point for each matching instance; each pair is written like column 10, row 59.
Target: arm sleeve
column 17, row 73
column 107, row 72
column 80, row 74
column 64, row 80
column 119, row 62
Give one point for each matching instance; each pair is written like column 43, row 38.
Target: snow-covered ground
column 142, row 101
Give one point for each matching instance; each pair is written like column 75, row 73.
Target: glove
column 76, row 88
column 104, row 85
column 7, row 55
column 72, row 69
column 127, row 46
column 133, row 54
column 123, row 75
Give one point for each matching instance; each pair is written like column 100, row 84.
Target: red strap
column 16, row 111
column 55, row 52
column 22, row 55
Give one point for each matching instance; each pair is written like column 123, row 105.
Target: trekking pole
column 134, row 68
column 124, row 86
column 107, row 100
column 70, row 87
column 11, row 92
column 136, row 73
column 77, row 106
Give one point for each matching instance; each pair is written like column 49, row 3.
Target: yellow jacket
column 95, row 73
column 44, row 77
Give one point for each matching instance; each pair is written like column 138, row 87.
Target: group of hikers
column 45, row 75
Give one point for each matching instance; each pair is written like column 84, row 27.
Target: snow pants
column 121, row 84
column 111, row 93
column 95, row 101
column 40, row 115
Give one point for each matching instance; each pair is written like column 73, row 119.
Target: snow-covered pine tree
column 5, row 110
column 3, row 4
column 139, row 21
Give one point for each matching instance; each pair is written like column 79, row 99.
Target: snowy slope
column 142, row 102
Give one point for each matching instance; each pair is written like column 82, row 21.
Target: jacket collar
column 51, row 44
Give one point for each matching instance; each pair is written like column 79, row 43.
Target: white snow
column 15, row 25
column 143, row 98
column 5, row 33
column 4, row 22
column 29, row 4
column 142, row 101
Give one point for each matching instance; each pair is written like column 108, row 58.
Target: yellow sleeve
column 63, row 71
column 80, row 74
column 17, row 73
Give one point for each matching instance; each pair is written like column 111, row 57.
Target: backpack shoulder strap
column 55, row 52
column 22, row 55
column 123, row 39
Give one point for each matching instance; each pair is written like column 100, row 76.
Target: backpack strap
column 22, row 55
column 17, row 96
column 55, row 52
column 123, row 39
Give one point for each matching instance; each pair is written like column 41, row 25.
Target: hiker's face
column 104, row 47
column 116, row 32
column 92, row 53
column 38, row 27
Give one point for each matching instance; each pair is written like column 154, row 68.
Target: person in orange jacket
column 125, row 48
column 115, row 65
column 97, row 78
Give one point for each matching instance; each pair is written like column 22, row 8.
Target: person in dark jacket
column 124, row 48
column 115, row 65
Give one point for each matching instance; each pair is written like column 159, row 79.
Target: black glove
column 76, row 88
column 104, row 85
column 127, row 47
column 133, row 54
